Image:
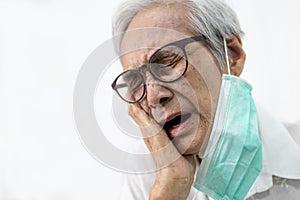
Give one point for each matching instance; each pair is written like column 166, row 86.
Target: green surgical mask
column 233, row 156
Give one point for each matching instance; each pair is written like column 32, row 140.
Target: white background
column 43, row 44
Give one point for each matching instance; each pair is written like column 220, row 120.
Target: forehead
column 152, row 28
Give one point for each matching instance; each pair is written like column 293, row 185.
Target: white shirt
column 280, row 176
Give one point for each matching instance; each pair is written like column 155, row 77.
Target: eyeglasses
column 167, row 64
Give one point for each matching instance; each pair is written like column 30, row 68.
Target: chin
column 191, row 152
column 191, row 143
column 187, row 147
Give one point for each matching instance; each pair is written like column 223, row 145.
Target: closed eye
column 168, row 56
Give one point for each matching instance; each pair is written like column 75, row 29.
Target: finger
column 149, row 126
column 137, row 113
column 155, row 137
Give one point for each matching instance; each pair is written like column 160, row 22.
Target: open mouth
column 173, row 126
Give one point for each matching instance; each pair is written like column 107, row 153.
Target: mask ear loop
column 226, row 56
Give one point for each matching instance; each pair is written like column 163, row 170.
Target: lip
column 173, row 132
column 170, row 117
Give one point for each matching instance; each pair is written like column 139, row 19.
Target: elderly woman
column 182, row 61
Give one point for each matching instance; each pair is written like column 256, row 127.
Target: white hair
column 211, row 18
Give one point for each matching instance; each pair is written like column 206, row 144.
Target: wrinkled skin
column 197, row 93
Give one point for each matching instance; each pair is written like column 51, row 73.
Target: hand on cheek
column 175, row 173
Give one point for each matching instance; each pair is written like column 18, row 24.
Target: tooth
column 174, row 126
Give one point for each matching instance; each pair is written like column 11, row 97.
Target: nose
column 157, row 94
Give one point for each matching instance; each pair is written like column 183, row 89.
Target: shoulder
column 281, row 159
column 282, row 189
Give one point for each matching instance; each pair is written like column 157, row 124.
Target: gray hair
column 211, row 18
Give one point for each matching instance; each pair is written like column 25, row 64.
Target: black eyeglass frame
column 180, row 44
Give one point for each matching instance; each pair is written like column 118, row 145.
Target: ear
column 237, row 55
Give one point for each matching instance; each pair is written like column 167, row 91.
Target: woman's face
column 186, row 107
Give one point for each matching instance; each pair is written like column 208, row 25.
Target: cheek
column 194, row 142
column 202, row 94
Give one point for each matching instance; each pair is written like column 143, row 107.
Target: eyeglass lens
column 167, row 64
